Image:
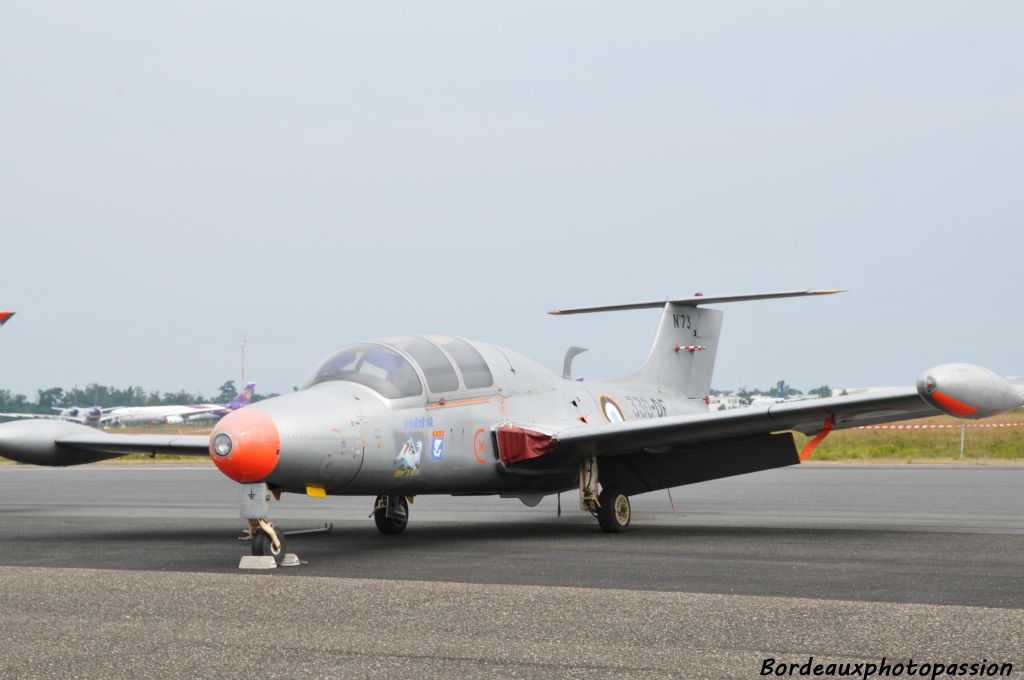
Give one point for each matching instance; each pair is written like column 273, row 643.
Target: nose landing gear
column 266, row 540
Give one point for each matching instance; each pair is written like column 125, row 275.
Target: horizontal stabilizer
column 698, row 300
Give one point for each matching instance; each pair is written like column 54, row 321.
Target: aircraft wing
column 42, row 416
column 52, row 442
column 204, row 409
column 960, row 390
column 122, row 444
column 111, row 417
column 806, row 416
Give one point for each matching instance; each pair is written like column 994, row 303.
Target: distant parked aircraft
column 176, row 414
column 72, row 414
column 780, row 396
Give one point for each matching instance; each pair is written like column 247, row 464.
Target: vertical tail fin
column 682, row 359
column 780, row 393
column 244, row 397
column 94, row 414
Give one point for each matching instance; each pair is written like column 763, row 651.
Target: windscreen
column 375, row 366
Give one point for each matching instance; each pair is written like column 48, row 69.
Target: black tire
column 614, row 513
column 391, row 526
column 262, row 545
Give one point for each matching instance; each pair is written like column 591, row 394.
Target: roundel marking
column 611, row 411
column 479, row 444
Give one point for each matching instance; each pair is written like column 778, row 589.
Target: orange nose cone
column 255, row 445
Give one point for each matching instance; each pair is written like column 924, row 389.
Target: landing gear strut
column 391, row 514
column 266, row 539
column 588, row 486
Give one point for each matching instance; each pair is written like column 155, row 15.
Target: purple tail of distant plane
column 780, row 393
column 243, row 398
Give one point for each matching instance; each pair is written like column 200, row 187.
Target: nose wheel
column 391, row 514
column 266, row 540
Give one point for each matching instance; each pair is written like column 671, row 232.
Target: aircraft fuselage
column 344, row 438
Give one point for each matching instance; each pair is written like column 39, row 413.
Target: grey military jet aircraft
column 436, row 414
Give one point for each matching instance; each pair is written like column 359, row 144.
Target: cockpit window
column 435, row 365
column 375, row 366
column 475, row 372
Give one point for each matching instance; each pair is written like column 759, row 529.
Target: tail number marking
column 646, row 407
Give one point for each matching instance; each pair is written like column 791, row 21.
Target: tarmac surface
column 128, row 571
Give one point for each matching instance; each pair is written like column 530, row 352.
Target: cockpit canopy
column 380, row 368
column 389, row 366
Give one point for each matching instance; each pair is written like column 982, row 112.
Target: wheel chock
column 268, row 561
column 290, row 560
column 257, row 562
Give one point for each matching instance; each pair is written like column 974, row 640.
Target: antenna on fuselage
column 570, row 354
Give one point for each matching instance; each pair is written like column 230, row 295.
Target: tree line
column 788, row 391
column 108, row 396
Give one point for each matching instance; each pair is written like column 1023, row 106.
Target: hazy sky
column 173, row 175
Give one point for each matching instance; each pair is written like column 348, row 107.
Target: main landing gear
column 391, row 514
column 610, row 506
column 613, row 515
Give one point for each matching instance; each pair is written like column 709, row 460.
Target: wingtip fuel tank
column 967, row 391
column 36, row 442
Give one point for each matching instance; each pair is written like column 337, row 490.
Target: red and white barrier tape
column 935, row 427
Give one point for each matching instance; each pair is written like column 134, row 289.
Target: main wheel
column 262, row 545
column 395, row 524
column 613, row 515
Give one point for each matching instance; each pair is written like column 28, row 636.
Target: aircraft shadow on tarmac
column 426, row 539
column 833, row 563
